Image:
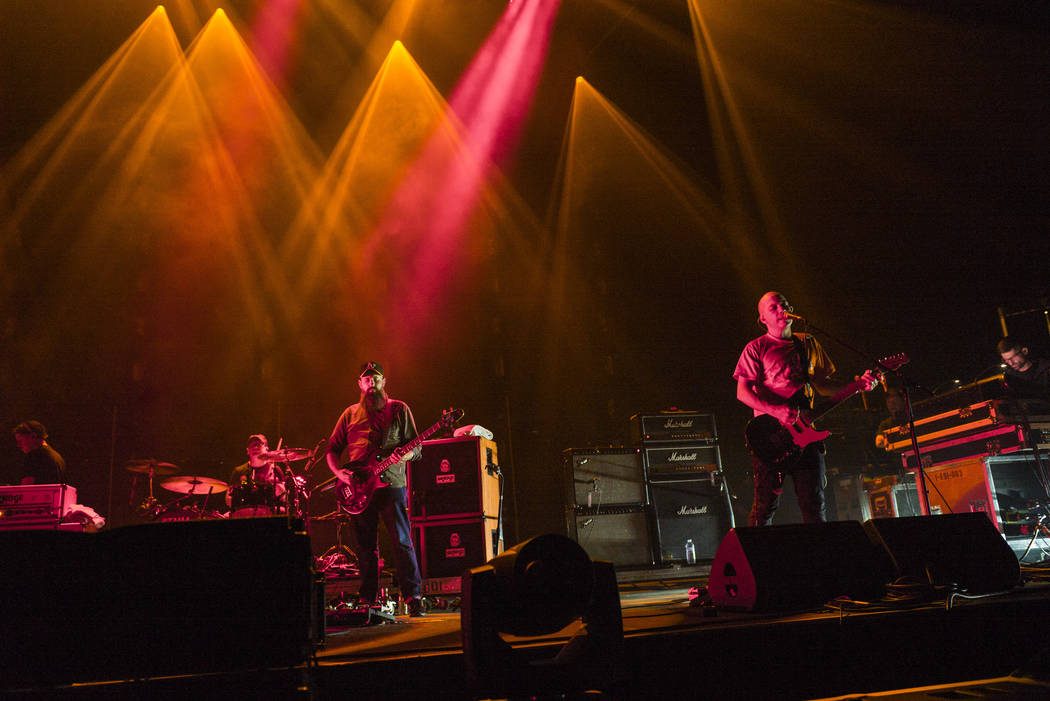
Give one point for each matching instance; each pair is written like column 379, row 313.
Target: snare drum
column 255, row 499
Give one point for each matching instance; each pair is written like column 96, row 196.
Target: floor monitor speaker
column 797, row 566
column 963, row 550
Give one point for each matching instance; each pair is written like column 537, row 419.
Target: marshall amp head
column 681, row 459
column 674, row 426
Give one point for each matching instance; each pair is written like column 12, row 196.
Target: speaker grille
column 689, row 510
column 621, row 537
column 611, row 476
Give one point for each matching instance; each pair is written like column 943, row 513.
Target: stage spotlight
column 537, row 588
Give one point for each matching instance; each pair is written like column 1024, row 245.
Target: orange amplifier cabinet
column 1005, row 487
column 455, row 478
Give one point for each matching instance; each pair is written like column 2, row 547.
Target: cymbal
column 194, row 485
column 286, row 454
column 147, row 466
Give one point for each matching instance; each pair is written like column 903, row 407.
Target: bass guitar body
column 776, row 444
column 354, row 496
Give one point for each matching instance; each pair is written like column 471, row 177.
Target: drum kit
column 250, row 498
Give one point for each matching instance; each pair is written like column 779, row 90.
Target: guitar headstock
column 894, row 362
column 450, row 416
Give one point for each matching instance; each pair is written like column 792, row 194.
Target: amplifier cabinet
column 447, row 548
column 894, row 500
column 618, row 533
column 596, row 476
column 694, row 510
column 1005, row 487
column 27, row 505
column 452, row 480
column 674, row 426
column 684, row 460
column 850, row 498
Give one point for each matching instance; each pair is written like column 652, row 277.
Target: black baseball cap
column 371, row 368
column 257, row 438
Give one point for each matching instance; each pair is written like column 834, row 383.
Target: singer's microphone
column 795, row 317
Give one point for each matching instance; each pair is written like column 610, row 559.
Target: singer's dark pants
column 808, row 475
column 390, row 503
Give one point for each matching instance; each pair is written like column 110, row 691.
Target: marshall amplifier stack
column 453, row 506
column 691, row 507
column 661, row 502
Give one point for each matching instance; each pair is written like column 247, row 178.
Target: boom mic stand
column 907, row 384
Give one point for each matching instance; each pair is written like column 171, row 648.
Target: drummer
column 258, row 470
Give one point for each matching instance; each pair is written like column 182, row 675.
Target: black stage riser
column 156, row 599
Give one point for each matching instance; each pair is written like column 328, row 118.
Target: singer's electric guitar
column 778, row 444
column 353, row 496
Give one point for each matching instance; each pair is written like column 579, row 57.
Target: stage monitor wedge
column 965, row 551
column 797, row 566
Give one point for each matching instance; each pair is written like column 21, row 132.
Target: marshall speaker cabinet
column 696, row 510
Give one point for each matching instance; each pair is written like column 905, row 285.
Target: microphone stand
column 907, row 384
column 493, row 469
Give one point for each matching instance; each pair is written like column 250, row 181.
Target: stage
column 672, row 648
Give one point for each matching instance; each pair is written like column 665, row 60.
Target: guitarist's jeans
column 808, row 475
column 390, row 503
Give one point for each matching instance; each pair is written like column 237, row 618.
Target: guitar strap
column 804, row 397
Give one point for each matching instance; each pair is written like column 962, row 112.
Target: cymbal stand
column 327, row 559
column 149, row 502
column 295, row 488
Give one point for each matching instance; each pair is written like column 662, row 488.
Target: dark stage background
column 883, row 164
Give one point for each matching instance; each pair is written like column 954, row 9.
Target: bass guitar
column 353, row 496
column 778, row 444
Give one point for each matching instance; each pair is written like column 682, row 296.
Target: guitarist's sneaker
column 415, row 607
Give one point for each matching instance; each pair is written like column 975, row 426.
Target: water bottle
column 690, row 552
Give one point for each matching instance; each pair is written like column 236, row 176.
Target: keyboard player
column 42, row 463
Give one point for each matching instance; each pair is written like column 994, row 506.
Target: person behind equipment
column 42, row 464
column 1025, row 374
column 258, row 484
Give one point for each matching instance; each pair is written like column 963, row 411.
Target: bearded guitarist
column 379, row 424
column 779, row 374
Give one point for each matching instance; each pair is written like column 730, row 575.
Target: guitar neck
column 839, row 397
column 408, row 447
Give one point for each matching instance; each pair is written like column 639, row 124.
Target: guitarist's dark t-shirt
column 363, row 435
column 777, row 364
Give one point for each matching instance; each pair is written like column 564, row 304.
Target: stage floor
column 678, row 650
column 671, row 650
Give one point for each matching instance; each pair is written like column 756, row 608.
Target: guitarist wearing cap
column 375, row 424
column 779, row 374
